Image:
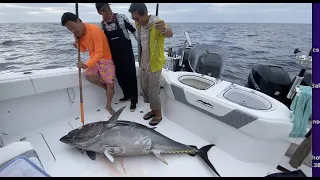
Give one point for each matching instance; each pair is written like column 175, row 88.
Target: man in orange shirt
column 99, row 67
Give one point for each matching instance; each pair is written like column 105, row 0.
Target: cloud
column 170, row 12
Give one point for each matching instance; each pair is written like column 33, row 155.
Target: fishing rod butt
column 82, row 113
column 80, row 79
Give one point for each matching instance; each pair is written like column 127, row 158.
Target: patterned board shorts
column 104, row 69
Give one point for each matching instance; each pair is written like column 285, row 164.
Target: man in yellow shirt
column 151, row 33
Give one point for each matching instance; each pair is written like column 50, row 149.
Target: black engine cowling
column 185, row 58
column 306, row 81
column 271, row 80
column 296, row 173
column 204, row 59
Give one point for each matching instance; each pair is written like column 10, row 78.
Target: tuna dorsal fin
column 109, row 156
column 113, row 120
column 157, row 153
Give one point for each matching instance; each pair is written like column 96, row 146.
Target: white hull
column 39, row 104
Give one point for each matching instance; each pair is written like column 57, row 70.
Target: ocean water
column 25, row 47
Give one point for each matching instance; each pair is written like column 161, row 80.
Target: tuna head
column 84, row 136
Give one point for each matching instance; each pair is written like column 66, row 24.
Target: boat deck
column 62, row 160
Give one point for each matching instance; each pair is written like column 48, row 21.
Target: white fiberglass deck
column 68, row 161
column 44, row 106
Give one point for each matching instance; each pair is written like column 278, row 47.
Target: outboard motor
column 296, row 173
column 306, row 81
column 207, row 60
column 201, row 58
column 185, row 62
column 184, row 53
column 271, row 80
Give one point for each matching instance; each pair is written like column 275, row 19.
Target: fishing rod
column 157, row 9
column 80, row 78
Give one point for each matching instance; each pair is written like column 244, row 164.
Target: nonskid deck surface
column 62, row 160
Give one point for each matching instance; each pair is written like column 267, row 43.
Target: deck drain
column 116, row 103
column 98, row 110
column 141, row 111
column 76, row 118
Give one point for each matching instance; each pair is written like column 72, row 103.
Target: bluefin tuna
column 126, row 138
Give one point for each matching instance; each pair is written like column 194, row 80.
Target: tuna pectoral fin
column 159, row 156
column 92, row 155
column 109, row 155
column 203, row 152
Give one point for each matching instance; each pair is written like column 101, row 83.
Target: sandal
column 155, row 121
column 148, row 116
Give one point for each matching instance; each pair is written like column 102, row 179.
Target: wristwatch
column 165, row 30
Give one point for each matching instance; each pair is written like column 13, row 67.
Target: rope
column 74, row 96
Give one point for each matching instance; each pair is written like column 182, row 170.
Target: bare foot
column 110, row 110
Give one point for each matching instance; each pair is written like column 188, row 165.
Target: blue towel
column 302, row 110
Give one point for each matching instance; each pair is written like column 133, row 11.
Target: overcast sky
column 169, row 12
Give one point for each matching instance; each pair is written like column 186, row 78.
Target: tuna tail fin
column 203, row 152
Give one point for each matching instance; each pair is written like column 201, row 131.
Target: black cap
column 100, row 6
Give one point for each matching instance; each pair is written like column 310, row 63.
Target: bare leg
column 110, row 93
column 96, row 80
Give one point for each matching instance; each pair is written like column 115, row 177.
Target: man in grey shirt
column 116, row 28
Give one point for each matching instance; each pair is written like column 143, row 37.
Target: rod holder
column 292, row 90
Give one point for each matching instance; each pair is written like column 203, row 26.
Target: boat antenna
column 157, row 9
column 80, row 78
column 310, row 52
